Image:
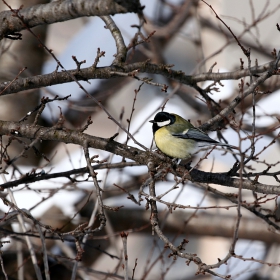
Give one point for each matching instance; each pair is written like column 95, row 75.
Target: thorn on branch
column 113, row 137
column 89, row 122
column 164, row 88
column 211, row 68
column 241, row 64
column 99, row 54
column 256, row 64
column 274, row 53
column 277, row 60
column 256, row 179
column 135, row 42
column 78, row 63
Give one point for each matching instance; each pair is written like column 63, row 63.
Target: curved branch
column 58, row 11
column 121, row 48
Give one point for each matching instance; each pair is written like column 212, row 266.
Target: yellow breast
column 172, row 146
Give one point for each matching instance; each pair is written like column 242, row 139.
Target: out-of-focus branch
column 221, row 225
column 171, row 29
column 206, row 23
column 28, row 240
column 58, row 11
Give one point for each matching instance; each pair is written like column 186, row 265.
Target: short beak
column 151, row 121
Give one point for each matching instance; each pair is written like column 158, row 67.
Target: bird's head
column 162, row 119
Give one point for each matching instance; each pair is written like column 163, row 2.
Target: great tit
column 178, row 138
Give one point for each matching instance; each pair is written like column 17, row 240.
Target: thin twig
column 125, row 254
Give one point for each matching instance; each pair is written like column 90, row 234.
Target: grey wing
column 196, row 135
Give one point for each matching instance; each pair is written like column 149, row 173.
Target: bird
column 178, row 138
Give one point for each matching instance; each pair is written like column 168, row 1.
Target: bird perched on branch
column 178, row 138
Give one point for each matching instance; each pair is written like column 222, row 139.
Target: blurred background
column 189, row 36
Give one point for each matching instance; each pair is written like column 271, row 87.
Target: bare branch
column 58, row 11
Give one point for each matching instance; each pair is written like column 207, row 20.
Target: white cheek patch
column 161, row 124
